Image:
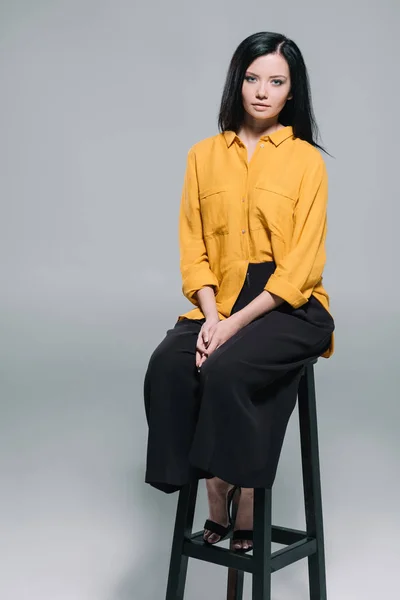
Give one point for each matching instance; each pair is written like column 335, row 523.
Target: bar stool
column 261, row 564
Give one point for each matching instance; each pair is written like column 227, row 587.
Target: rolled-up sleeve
column 301, row 268
column 194, row 265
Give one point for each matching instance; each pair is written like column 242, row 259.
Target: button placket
column 245, row 211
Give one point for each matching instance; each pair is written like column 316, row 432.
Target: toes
column 242, row 545
column 211, row 538
column 248, row 545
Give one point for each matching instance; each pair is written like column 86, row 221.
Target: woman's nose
column 262, row 91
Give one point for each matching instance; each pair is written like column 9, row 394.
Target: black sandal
column 218, row 529
column 243, row 535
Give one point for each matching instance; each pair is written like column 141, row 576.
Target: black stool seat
column 261, row 564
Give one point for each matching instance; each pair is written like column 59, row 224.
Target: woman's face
column 266, row 82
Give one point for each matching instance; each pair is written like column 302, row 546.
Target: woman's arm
column 301, row 269
column 194, row 265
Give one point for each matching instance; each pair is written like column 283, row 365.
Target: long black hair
column 297, row 112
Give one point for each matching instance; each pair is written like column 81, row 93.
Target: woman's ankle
column 217, row 493
column 245, row 512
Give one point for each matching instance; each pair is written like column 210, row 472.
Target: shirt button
column 261, row 145
column 243, row 231
column 243, row 199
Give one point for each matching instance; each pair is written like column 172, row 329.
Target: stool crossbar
column 262, row 563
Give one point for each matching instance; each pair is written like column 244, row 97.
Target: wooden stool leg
column 235, row 577
column 312, row 482
column 183, row 527
column 262, row 545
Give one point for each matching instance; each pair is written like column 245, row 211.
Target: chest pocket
column 273, row 210
column 214, row 211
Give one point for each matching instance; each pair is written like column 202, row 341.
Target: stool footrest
column 279, row 535
column 293, row 553
column 286, row 536
column 217, row 556
column 194, row 547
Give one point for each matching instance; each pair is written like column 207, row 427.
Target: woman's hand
column 221, row 332
column 204, row 338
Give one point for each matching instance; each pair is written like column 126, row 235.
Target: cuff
column 287, row 291
column 193, row 283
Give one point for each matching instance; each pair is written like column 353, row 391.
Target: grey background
column 99, row 103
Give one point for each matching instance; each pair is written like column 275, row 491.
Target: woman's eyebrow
column 255, row 75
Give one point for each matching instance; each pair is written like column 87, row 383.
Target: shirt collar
column 277, row 137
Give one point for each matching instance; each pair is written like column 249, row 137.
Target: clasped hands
column 213, row 334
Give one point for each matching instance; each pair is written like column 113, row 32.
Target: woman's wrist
column 208, row 306
column 213, row 318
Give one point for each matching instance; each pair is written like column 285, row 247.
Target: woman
column 221, row 386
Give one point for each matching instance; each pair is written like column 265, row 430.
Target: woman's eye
column 250, row 79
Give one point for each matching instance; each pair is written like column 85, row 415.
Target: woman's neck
column 251, row 132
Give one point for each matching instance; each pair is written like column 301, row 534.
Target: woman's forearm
column 206, row 298
column 262, row 304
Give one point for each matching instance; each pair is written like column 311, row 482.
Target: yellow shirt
column 234, row 212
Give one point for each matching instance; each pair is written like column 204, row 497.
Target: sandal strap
column 216, row 528
column 243, row 534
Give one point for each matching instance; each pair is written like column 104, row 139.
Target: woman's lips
column 261, row 107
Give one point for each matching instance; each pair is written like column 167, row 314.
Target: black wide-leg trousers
column 229, row 420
